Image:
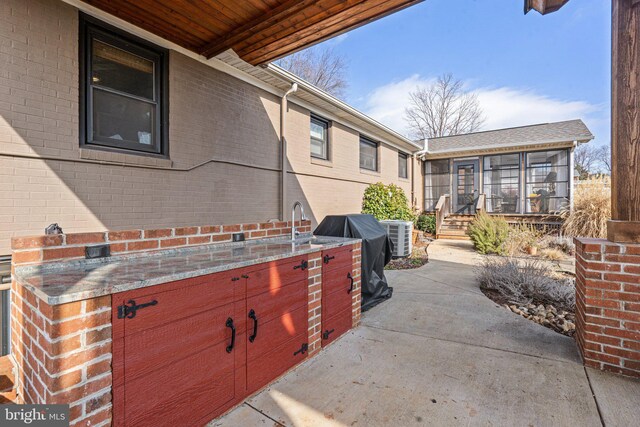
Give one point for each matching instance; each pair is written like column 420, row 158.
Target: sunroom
column 525, row 171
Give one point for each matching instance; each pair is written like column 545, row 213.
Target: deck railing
column 481, row 205
column 443, row 210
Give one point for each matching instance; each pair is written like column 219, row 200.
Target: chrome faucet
column 295, row 232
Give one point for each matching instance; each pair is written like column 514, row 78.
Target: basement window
column 124, row 90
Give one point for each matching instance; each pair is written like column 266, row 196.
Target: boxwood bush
column 426, row 223
column 386, row 202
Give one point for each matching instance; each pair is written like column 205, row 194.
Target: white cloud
column 503, row 107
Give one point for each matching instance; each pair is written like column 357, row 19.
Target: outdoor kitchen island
column 176, row 336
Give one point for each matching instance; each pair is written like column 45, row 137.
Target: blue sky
column 525, row 69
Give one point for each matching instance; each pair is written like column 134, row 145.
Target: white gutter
column 581, row 139
column 283, row 150
column 292, row 78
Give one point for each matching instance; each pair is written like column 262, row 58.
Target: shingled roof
column 546, row 133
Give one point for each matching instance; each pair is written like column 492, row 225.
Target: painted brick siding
column 213, row 116
column 335, row 186
column 608, row 305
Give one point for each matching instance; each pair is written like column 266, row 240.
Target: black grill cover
column 377, row 249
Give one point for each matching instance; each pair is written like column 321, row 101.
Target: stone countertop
column 75, row 280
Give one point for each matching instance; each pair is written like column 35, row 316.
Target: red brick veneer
column 40, row 249
column 608, row 305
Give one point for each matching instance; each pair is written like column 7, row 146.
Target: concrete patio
column 441, row 353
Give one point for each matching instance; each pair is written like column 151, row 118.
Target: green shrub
column 426, row 223
column 386, row 202
column 488, row 233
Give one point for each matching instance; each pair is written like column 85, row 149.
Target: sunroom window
column 502, row 183
column 124, row 92
column 436, row 182
column 547, row 181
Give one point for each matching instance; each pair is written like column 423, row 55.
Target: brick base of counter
column 63, row 354
column 608, row 305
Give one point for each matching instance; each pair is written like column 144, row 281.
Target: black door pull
column 351, row 286
column 129, row 309
column 325, row 335
column 302, row 350
column 328, row 258
column 252, row 315
column 303, row 265
column 229, row 324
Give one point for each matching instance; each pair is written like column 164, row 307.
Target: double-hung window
column 124, row 91
column 319, row 138
column 368, row 154
column 403, row 165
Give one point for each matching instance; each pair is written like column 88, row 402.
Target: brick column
column 608, row 305
column 356, row 295
column 63, row 354
column 315, row 302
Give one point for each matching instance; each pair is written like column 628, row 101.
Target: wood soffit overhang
column 259, row 31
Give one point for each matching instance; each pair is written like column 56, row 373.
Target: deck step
column 7, row 380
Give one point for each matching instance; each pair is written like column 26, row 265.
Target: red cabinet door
column 281, row 315
column 173, row 360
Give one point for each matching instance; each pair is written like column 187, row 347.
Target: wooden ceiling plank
column 148, row 24
column 172, row 16
column 200, row 11
column 284, row 10
column 300, row 40
column 319, row 12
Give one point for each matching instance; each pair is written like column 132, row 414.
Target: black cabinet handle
column 302, row 350
column 303, row 265
column 129, row 309
column 328, row 258
column 235, row 279
column 244, row 276
column 252, row 315
column 229, row 324
column 351, row 286
column 326, row 334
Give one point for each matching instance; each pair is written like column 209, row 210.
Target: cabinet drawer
column 335, row 302
column 337, row 258
column 262, row 370
column 269, row 306
column 335, row 326
column 337, row 280
column 274, row 333
column 176, row 300
column 275, row 275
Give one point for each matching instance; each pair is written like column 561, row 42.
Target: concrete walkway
column 441, row 353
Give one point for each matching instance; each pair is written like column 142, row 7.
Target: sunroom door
column 465, row 186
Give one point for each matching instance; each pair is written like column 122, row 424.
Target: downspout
column 283, row 151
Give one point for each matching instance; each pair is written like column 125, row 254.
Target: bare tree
column 605, row 159
column 443, row 109
column 590, row 159
column 322, row 67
